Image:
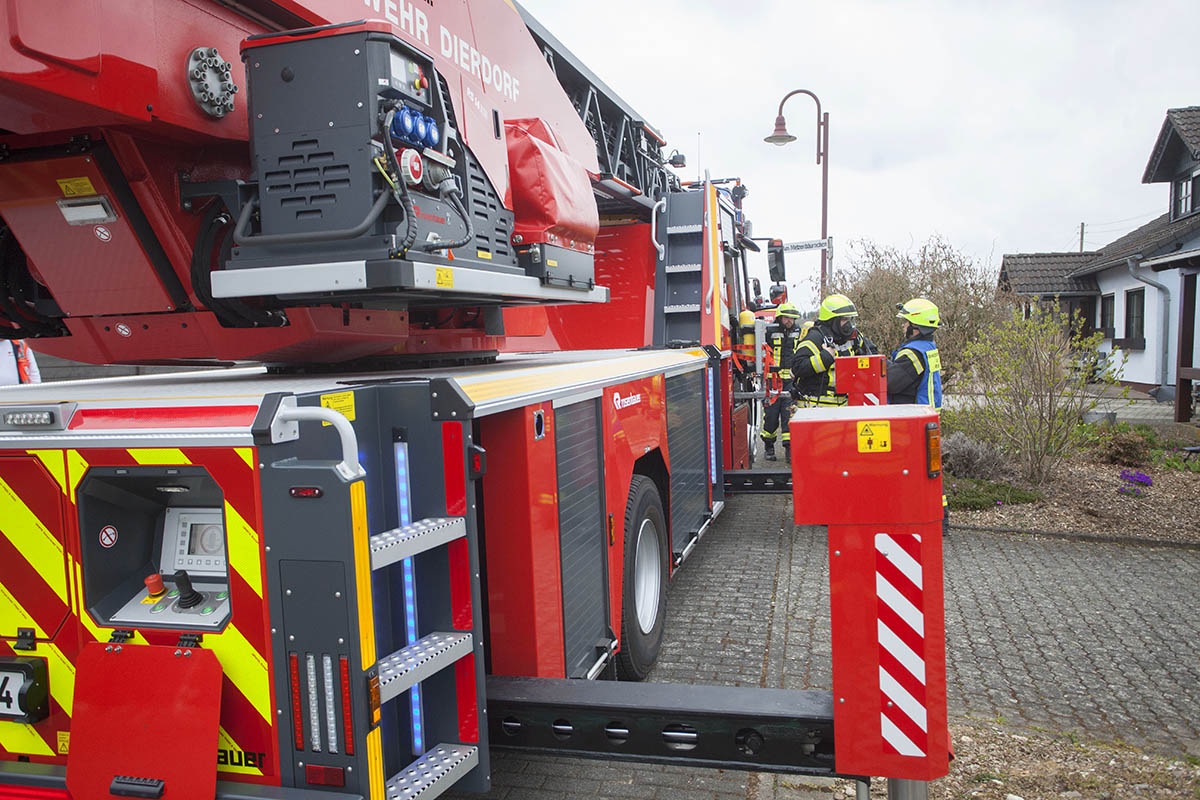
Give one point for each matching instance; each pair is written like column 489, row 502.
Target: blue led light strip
column 712, row 428
column 410, row 591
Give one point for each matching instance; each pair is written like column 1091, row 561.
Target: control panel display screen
column 409, row 77
column 205, row 539
column 194, row 540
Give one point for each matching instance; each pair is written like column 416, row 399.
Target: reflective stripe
column 914, row 358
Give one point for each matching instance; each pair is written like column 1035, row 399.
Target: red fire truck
column 492, row 404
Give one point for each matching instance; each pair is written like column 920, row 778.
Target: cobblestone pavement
column 1100, row 639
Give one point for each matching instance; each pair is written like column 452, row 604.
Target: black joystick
column 188, row 596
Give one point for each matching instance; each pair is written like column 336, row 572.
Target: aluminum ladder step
column 673, row 269
column 410, row 665
column 433, row 773
column 676, row 229
column 682, row 309
column 400, row 543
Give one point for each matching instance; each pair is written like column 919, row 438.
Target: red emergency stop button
column 154, row 585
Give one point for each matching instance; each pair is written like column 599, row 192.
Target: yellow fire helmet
column 919, row 312
column 787, row 310
column 836, row 305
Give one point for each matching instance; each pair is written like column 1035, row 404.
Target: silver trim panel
column 332, row 276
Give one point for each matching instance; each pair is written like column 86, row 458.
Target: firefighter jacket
column 812, row 367
column 783, row 349
column 915, row 373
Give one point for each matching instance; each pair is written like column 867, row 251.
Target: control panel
column 191, row 589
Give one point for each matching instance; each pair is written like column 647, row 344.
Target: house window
column 1135, row 314
column 1183, row 197
column 1107, row 315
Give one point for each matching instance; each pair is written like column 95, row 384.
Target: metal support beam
column 732, row 727
column 758, row 481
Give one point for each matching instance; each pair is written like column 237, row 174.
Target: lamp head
column 780, row 136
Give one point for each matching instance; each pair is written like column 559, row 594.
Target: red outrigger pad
column 143, row 715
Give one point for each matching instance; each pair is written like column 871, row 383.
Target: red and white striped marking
column 871, row 399
column 901, row 624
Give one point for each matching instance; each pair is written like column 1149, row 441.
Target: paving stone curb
column 1075, row 536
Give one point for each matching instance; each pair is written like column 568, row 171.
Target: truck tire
column 644, row 582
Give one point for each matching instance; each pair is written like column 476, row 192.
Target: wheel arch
column 653, row 466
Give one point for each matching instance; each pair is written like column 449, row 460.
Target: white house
column 1144, row 295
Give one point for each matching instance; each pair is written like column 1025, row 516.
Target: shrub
column 1030, row 398
column 1126, row 448
column 968, row 494
column 967, row 457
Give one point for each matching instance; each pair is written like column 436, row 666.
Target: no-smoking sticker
column 108, row 536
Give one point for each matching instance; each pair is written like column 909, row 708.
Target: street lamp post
column 781, row 137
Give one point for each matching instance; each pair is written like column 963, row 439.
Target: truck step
column 410, row 665
column 674, row 268
column 433, row 773
column 674, row 229
column 686, row 308
column 400, row 543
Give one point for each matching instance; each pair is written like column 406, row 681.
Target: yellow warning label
column 149, row 601
column 550, row 262
column 863, row 363
column 875, row 436
column 342, row 402
column 484, row 254
column 64, row 742
column 76, row 187
column 445, row 277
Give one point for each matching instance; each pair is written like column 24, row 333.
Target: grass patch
column 970, row 494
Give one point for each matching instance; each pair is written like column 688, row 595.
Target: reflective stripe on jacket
column 925, row 357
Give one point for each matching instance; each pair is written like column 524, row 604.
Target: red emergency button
column 154, row 585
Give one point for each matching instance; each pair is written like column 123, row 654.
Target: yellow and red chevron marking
column 243, row 648
column 35, row 593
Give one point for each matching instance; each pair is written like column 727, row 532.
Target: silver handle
column 348, row 467
column 661, row 205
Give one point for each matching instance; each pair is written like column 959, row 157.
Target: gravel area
column 1083, row 498
column 1000, row 762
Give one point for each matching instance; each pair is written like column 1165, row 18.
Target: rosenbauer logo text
column 625, row 402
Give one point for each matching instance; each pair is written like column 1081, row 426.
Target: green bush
column 1174, row 459
column 1029, row 397
column 969, row 494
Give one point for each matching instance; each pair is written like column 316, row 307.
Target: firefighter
column 914, row 372
column 783, row 338
column 17, row 363
column 836, row 329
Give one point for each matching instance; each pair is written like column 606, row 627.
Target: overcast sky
column 1001, row 126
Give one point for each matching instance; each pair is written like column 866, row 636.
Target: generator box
column 856, row 465
column 863, row 379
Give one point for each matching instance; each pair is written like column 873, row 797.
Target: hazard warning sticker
column 64, row 742
column 445, row 278
column 875, row 436
column 76, row 187
column 108, row 536
column 864, row 363
column 341, row 402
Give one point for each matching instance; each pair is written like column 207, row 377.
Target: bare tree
column 877, row 278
